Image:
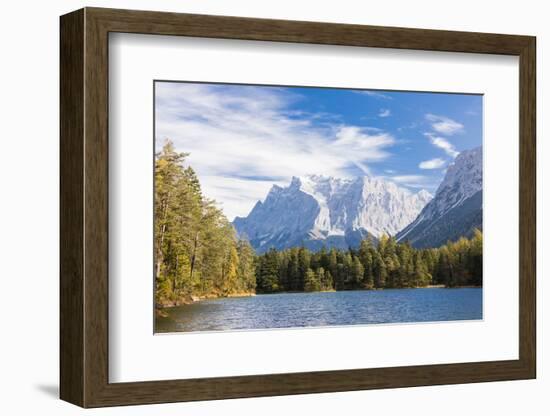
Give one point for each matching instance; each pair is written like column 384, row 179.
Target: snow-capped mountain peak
column 318, row 210
column 456, row 208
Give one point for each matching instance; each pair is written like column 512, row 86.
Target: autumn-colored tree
column 197, row 252
column 390, row 264
column 196, row 249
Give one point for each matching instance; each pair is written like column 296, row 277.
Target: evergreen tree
column 267, row 277
column 327, row 283
column 421, row 277
column 294, row 279
column 197, row 252
column 311, row 281
column 196, row 249
column 366, row 249
column 380, row 271
column 476, row 258
column 246, row 269
column 304, row 262
column 356, row 276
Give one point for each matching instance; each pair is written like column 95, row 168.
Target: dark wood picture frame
column 84, row 207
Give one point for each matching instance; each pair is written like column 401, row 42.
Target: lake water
column 291, row 310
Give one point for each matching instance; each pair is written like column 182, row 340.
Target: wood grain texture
column 528, row 207
column 96, row 208
column 71, row 100
column 84, row 207
column 225, row 27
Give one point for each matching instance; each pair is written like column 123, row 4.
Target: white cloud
column 414, row 181
column 412, row 125
column 409, row 178
column 444, row 125
column 432, row 164
column 384, row 112
column 235, row 195
column 241, row 140
column 374, row 94
column 443, row 144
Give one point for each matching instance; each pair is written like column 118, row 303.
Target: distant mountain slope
column 456, row 208
column 317, row 211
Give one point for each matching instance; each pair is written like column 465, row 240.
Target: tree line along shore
column 198, row 255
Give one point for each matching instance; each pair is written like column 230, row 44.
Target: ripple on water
column 288, row 310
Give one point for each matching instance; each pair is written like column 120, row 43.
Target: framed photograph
column 255, row 207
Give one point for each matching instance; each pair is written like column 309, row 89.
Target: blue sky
column 243, row 139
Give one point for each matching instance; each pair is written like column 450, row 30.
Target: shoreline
column 376, row 289
column 196, row 299
column 189, row 300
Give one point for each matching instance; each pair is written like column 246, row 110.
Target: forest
column 384, row 265
column 198, row 254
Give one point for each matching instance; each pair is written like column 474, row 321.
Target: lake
column 291, row 310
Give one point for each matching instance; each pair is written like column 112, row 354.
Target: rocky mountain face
column 316, row 211
column 456, row 208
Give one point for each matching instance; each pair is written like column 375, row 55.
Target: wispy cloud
column 414, row 181
column 432, row 164
column 409, row 126
column 384, row 112
column 374, row 94
column 408, row 178
column 444, row 125
column 241, row 140
column 443, row 144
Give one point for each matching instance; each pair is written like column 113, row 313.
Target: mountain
column 316, row 211
column 456, row 208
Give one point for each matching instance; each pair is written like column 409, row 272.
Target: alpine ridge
column 316, row 211
column 456, row 209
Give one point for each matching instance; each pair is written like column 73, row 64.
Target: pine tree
column 445, row 268
column 246, row 267
column 357, row 271
column 196, row 249
column 380, row 271
column 365, row 256
column 421, row 277
column 328, row 283
column 311, row 281
column 476, row 258
column 167, row 175
column 304, row 262
column 267, row 277
column 333, row 262
column 197, row 252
